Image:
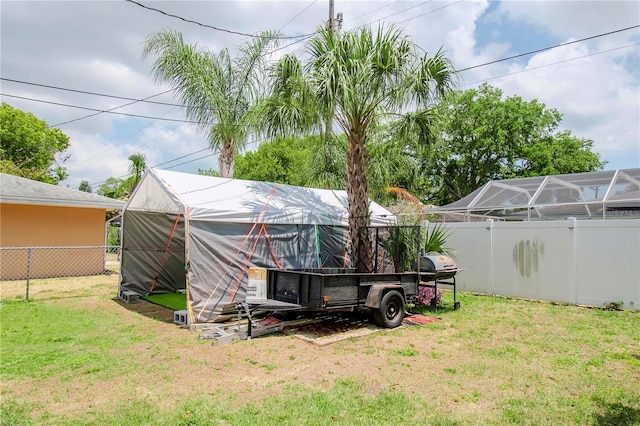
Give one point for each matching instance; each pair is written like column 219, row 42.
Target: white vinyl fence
column 592, row 262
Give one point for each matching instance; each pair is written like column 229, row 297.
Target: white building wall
column 583, row 262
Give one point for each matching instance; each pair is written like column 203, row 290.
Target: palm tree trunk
column 328, row 130
column 227, row 159
column 358, row 197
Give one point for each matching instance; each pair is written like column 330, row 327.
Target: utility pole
column 331, row 20
column 335, row 24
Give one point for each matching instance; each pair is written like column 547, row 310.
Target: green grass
column 42, row 340
column 173, row 301
column 494, row 361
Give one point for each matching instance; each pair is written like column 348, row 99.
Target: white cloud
column 573, row 19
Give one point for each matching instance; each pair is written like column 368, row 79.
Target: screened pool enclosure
column 610, row 194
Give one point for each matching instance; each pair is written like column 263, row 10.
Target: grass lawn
column 90, row 360
column 173, row 301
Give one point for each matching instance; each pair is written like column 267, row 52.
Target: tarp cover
column 202, row 233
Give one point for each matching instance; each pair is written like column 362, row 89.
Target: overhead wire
column 404, row 10
column 477, row 66
column 552, row 63
column 370, row 12
column 206, row 25
column 301, row 39
column 181, row 157
column 85, row 92
column 298, row 14
column 430, row 11
column 548, row 48
column 109, row 111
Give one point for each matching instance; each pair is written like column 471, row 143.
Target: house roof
column 18, row 190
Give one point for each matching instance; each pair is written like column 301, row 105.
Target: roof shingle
column 18, row 190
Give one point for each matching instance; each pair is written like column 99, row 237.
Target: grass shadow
column 617, row 414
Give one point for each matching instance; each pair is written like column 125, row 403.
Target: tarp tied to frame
column 153, row 252
column 204, row 233
column 230, row 249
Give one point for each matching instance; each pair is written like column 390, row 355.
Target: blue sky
column 96, row 46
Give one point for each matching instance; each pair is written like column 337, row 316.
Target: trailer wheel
column 391, row 311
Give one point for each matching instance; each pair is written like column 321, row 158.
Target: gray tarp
column 218, row 228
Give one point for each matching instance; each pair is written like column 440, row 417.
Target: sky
column 96, row 46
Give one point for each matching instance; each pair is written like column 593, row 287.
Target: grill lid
column 435, row 262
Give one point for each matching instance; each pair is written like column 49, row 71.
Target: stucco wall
column 50, row 226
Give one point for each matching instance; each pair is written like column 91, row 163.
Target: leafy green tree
column 481, row 136
column 29, row 149
column 219, row 92
column 113, row 188
column 84, row 186
column 283, row 160
column 561, row 154
column 360, row 78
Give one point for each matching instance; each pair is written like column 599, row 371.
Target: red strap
column 164, row 254
column 264, row 209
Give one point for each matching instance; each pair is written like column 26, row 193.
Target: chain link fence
column 26, row 264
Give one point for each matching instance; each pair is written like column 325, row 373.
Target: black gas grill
column 438, row 268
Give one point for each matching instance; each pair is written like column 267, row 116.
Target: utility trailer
column 384, row 294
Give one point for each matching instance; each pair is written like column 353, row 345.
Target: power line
column 199, row 158
column 110, row 111
column 500, row 76
column 404, row 10
column 548, row 48
column 431, row 11
column 84, row 92
column 299, row 13
column 180, row 158
column 206, row 25
column 517, row 72
column 552, row 63
column 291, row 44
column 370, row 12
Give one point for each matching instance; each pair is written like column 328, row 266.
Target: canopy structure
column 201, row 234
column 594, row 195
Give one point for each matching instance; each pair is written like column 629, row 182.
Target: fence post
column 28, row 271
column 490, row 284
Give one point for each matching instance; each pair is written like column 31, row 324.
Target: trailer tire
column 391, row 311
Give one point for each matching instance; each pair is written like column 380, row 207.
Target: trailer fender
column 377, row 292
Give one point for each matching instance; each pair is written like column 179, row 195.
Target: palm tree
column 136, row 169
column 360, row 78
column 218, row 91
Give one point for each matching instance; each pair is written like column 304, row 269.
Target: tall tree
column 84, row 186
column 30, row 149
column 282, row 160
column 482, row 136
column 113, row 188
column 365, row 77
column 219, row 92
column 136, row 169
